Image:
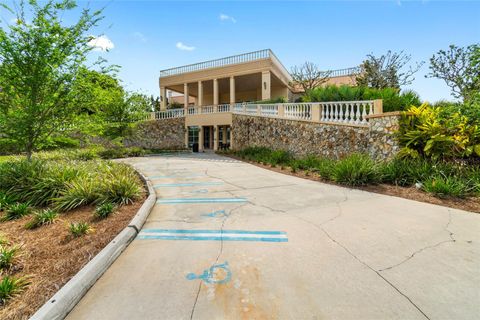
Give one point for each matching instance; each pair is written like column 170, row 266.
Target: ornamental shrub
column 434, row 132
column 393, row 99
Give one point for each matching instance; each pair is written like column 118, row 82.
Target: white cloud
column 184, row 47
column 101, row 43
column 225, row 17
column 140, row 36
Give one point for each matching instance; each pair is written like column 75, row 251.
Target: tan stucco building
column 212, row 89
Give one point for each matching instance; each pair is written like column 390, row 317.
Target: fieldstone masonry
column 301, row 138
column 382, row 143
column 323, row 139
column 166, row 134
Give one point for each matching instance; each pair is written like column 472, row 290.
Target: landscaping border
column 62, row 302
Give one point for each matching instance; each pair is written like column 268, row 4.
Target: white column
column 185, row 95
column 266, row 85
column 200, row 94
column 215, row 92
column 232, row 90
column 163, row 98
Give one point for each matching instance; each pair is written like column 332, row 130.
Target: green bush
column 67, row 184
column 44, row 217
column 78, row 193
column 103, row 210
column 86, row 155
column 113, row 153
column 8, row 146
column 8, row 256
column 393, row 100
column 16, row 211
column 6, row 200
column 322, row 166
column 405, row 172
column 11, row 286
column 443, row 187
column 78, row 229
column 440, row 133
column 37, row 181
column 121, row 186
column 59, row 142
column 355, row 170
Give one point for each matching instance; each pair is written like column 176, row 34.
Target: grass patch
column 65, row 185
column 78, row 229
column 444, row 187
column 16, row 211
column 42, row 218
column 104, row 210
column 355, row 170
column 11, row 286
column 8, row 256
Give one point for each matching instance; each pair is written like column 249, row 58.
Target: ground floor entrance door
column 208, row 137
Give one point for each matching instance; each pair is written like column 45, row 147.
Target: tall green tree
column 39, row 62
column 459, row 67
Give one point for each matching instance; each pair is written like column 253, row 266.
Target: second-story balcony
column 340, row 112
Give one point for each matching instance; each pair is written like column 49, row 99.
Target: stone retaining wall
column 329, row 140
column 153, row 134
column 382, row 143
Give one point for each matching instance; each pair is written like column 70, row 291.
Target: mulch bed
column 50, row 256
column 468, row 204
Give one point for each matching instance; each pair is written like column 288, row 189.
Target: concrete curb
column 73, row 291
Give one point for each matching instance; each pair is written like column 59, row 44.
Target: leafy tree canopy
column 459, row 67
column 39, row 63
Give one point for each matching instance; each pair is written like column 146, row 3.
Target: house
column 220, row 87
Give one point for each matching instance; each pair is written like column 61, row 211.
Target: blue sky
column 333, row 34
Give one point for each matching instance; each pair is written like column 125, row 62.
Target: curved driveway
column 229, row 240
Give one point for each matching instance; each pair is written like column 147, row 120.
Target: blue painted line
column 161, row 177
column 190, row 184
column 200, row 200
column 213, row 238
column 174, row 176
column 211, row 231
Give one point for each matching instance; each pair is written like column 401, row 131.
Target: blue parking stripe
column 189, row 184
column 211, row 231
column 200, row 200
column 212, row 238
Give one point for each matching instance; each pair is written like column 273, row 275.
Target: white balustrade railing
column 207, row 109
column 193, row 110
column 302, row 111
column 347, row 112
column 269, row 109
column 223, row 108
column 353, row 112
column 169, row 114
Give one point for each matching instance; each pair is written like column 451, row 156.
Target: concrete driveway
column 228, row 240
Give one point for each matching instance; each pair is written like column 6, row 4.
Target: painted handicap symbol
column 214, row 214
column 218, row 274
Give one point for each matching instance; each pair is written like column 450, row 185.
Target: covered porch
column 234, row 89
